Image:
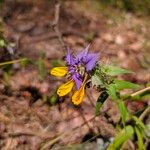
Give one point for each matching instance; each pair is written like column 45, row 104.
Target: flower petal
column 82, row 54
column 59, row 71
column 77, row 80
column 69, row 58
column 90, row 61
column 78, row 96
column 64, row 89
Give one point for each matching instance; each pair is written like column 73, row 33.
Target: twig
column 55, row 27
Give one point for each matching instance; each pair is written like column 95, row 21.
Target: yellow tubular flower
column 78, row 96
column 59, row 71
column 64, row 89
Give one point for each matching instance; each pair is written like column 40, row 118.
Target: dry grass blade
column 140, row 92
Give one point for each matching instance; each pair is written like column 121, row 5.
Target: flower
column 78, row 71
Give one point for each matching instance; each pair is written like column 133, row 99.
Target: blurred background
column 34, row 35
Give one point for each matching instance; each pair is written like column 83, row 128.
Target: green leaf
column 140, row 138
column 121, row 84
column 6, row 77
column 101, row 99
column 41, row 67
column 111, row 90
column 121, row 138
column 57, row 63
column 96, row 81
column 24, row 63
column 2, row 43
column 113, row 71
column 54, row 98
column 123, row 111
column 139, row 123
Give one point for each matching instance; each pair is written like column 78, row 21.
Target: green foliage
column 8, row 70
column 101, row 99
column 56, row 63
column 121, row 85
column 2, row 43
column 6, row 78
column 96, row 80
column 53, row 99
column 140, row 138
column 117, row 85
column 123, row 111
column 114, row 71
column 13, row 61
column 139, row 123
column 121, row 138
column 103, row 78
column 111, row 90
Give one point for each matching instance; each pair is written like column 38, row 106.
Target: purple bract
column 81, row 64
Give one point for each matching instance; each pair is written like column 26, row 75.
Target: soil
column 26, row 120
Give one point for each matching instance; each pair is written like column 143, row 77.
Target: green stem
column 13, row 61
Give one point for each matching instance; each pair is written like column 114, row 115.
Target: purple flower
column 81, row 64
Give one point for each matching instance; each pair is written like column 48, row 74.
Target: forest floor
column 26, row 120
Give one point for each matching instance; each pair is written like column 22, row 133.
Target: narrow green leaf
column 13, row 61
column 140, row 138
column 101, row 99
column 139, row 123
column 123, row 111
column 121, row 84
column 56, row 63
column 113, row 71
column 41, row 67
column 6, row 77
column 111, row 90
column 121, row 138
